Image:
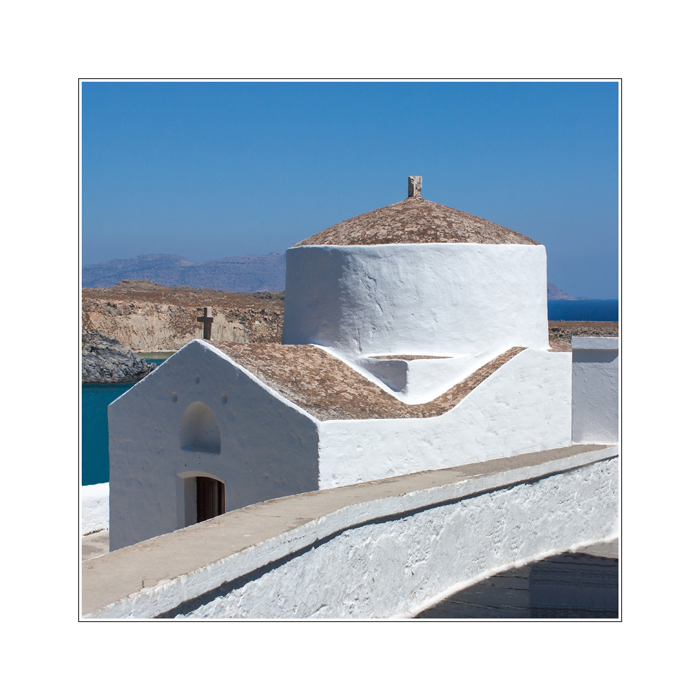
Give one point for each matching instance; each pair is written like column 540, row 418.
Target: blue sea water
column 583, row 310
column 96, row 397
column 95, row 437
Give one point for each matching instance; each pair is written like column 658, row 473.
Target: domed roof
column 416, row 220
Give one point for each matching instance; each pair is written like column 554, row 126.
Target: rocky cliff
column 107, row 361
column 148, row 317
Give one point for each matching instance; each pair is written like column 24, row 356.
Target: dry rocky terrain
column 147, row 317
column 560, row 332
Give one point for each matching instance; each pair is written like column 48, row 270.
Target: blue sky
column 212, row 170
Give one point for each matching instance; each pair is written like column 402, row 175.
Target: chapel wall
column 268, row 449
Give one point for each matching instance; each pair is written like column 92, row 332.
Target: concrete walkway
column 95, row 545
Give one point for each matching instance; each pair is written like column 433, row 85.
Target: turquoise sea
column 96, row 397
column 95, row 436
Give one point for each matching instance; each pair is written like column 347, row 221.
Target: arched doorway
column 210, row 496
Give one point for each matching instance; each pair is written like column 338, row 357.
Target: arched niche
column 199, row 429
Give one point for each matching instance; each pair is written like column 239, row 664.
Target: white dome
column 416, row 278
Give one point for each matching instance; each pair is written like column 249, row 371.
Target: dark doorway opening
column 211, row 498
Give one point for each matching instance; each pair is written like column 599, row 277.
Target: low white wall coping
column 157, row 575
column 581, row 343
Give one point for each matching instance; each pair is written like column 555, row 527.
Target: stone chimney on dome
column 415, row 184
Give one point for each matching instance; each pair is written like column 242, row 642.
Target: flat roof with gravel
column 329, row 389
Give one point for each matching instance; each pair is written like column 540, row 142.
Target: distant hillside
column 249, row 273
column 553, row 292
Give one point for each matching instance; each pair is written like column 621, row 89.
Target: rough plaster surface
column 386, row 549
column 594, row 394
column 416, row 220
column 95, row 504
column 395, row 568
column 430, row 299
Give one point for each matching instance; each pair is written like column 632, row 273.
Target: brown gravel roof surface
column 329, row 389
column 416, row 220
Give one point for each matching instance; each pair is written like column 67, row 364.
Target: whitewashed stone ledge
column 382, row 549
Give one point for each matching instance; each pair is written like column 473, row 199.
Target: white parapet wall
column 386, row 549
column 530, row 394
column 594, row 391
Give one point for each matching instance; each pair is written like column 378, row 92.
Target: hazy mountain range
column 248, row 273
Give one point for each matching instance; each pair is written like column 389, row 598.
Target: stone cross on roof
column 415, row 184
column 207, row 321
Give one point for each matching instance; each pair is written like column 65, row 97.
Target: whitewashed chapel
column 415, row 338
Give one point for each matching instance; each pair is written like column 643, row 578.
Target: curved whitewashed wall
column 436, row 298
